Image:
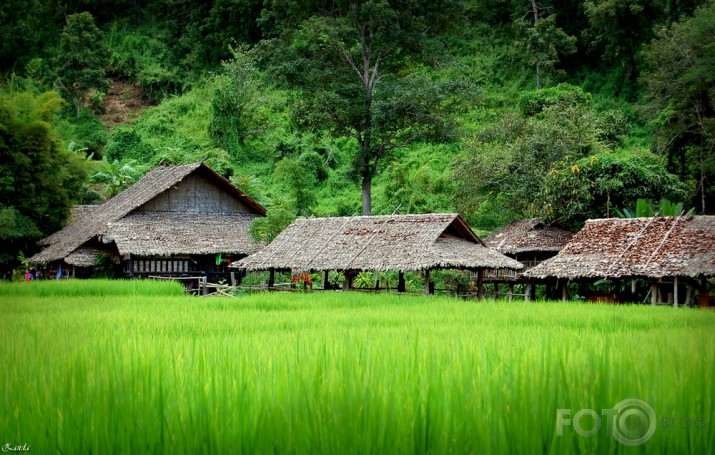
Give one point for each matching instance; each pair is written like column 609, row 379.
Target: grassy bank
column 341, row 373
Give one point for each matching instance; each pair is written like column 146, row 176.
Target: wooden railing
column 506, row 274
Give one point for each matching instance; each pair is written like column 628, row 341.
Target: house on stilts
column 378, row 243
column 675, row 255
column 528, row 241
column 176, row 221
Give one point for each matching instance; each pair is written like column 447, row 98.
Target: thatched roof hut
column 186, row 209
column 377, row 243
column 528, row 241
column 636, row 247
column 530, row 235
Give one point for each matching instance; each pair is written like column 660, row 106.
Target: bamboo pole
column 675, row 292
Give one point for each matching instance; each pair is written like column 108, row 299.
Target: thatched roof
column 636, row 247
column 397, row 242
column 86, row 256
column 528, row 235
column 164, row 233
column 155, row 182
column 79, row 211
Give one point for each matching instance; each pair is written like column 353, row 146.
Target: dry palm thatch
column 79, row 211
column 166, row 233
column 636, row 247
column 528, row 235
column 375, row 243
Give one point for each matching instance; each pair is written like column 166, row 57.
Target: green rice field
column 137, row 367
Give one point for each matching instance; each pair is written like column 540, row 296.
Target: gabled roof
column 636, row 247
column 528, row 235
column 79, row 211
column 164, row 233
column 156, row 181
column 396, row 242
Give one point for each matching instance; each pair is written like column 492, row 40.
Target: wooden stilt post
column 427, row 287
column 326, row 282
column 675, row 292
column 654, row 294
column 633, row 286
column 400, row 281
column 346, row 281
column 565, row 290
column 527, row 294
column 496, row 291
column 271, row 278
column 480, row 284
column 688, row 294
column 511, row 291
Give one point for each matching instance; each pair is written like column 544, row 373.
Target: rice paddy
column 137, row 367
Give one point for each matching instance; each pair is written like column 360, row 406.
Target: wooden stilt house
column 528, row 241
column 179, row 220
column 676, row 255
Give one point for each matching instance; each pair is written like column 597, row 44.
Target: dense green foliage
column 131, row 370
column 337, row 108
column 39, row 178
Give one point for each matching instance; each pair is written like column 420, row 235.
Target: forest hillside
column 497, row 109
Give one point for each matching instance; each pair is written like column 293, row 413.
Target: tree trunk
column 367, row 195
column 535, row 11
column 702, row 179
column 538, row 77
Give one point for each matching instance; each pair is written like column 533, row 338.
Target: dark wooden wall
column 195, row 194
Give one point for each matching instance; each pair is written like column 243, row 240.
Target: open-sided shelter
column 378, row 243
column 176, row 220
column 668, row 251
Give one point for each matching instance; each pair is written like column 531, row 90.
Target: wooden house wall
column 195, row 194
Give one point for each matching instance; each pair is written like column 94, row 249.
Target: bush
column 535, row 101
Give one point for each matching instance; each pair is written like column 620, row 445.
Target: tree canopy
column 39, row 178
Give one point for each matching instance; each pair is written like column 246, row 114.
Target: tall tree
column 39, row 179
column 680, row 97
column 543, row 40
column 83, row 59
column 349, row 60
